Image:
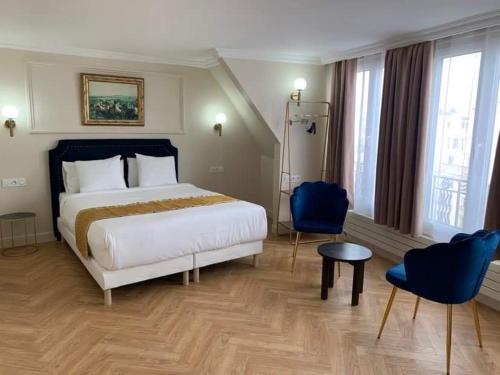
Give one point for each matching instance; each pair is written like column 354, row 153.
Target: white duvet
column 144, row 239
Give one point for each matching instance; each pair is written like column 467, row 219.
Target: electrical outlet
column 14, row 182
column 294, row 179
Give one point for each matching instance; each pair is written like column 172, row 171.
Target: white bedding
column 144, row 239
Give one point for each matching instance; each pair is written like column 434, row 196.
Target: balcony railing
column 447, row 200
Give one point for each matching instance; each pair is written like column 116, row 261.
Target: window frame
column 483, row 126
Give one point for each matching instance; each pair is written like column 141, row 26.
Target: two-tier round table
column 14, row 218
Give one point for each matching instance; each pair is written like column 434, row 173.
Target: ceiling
column 186, row 30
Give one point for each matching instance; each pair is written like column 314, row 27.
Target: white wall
column 26, row 155
column 268, row 86
column 54, row 90
column 262, row 134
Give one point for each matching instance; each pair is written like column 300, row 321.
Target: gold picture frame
column 112, row 100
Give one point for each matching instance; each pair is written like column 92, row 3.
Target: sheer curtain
column 369, row 80
column 492, row 217
column 340, row 135
column 464, row 124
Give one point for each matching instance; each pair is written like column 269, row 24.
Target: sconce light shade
column 300, row 84
column 220, row 118
column 10, row 112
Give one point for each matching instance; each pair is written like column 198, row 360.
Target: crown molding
column 464, row 25
column 204, row 61
column 268, row 56
column 210, row 58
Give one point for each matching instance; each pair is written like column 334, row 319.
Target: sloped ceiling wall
column 268, row 85
column 259, row 90
column 261, row 133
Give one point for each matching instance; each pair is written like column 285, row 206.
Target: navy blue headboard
column 93, row 149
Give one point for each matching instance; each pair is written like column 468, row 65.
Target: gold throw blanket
column 87, row 216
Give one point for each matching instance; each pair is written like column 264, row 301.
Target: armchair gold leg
column 297, row 239
column 417, row 303
column 387, row 310
column 476, row 321
column 449, row 319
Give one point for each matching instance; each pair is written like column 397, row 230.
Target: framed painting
column 112, row 100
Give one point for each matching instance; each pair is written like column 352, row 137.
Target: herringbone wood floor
column 238, row 320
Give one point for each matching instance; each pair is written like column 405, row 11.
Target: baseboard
column 488, row 301
column 383, row 237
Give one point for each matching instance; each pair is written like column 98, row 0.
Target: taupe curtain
column 401, row 149
column 492, row 219
column 340, row 157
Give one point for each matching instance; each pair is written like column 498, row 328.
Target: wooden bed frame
column 91, row 149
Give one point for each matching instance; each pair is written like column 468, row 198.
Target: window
column 369, row 82
column 464, row 125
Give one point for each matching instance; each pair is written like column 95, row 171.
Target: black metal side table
column 12, row 218
column 353, row 254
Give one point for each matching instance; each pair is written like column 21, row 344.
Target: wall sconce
column 11, row 113
column 219, row 120
column 299, row 85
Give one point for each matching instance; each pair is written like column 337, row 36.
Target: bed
column 130, row 249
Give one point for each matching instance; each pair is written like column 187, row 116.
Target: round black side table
column 13, row 251
column 353, row 254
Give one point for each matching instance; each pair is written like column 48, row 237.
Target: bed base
column 108, row 280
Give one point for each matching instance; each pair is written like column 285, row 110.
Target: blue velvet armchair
column 318, row 207
column 448, row 273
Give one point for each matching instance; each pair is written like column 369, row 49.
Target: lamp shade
column 300, row 84
column 220, row 118
column 10, row 112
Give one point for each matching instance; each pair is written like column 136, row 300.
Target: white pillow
column 96, row 175
column 70, row 177
column 133, row 174
column 156, row 171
